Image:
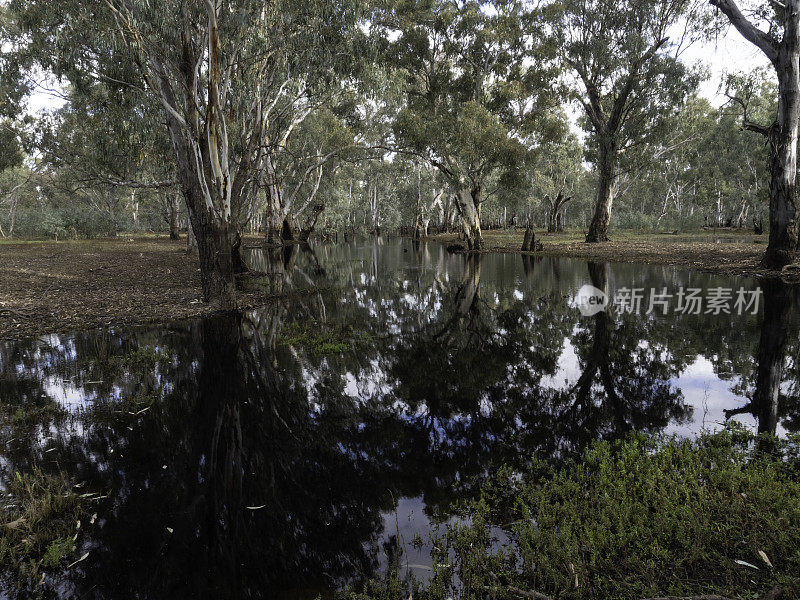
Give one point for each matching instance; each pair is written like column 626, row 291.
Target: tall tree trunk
column 214, row 232
column 469, row 204
column 215, row 249
column 606, row 188
column 191, row 241
column 418, row 213
column 172, row 215
column 782, row 248
column 784, row 54
column 288, row 230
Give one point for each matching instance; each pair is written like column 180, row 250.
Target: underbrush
column 640, row 518
column 38, row 525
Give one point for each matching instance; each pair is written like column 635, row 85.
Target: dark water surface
column 288, row 450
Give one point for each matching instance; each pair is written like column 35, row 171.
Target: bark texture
column 469, row 207
column 606, row 188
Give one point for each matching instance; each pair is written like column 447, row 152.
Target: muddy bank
column 49, row 287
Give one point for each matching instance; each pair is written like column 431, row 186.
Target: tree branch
column 749, row 31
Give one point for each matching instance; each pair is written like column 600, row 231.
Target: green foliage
column 705, row 171
column 38, row 524
column 645, row 519
column 319, row 338
column 637, row 518
column 478, row 82
column 146, row 359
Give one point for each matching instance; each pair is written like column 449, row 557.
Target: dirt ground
column 736, row 253
column 48, row 287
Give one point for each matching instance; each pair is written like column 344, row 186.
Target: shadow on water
column 288, row 450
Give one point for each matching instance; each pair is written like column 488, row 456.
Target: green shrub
column 634, row 519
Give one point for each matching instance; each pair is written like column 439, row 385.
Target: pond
column 294, row 448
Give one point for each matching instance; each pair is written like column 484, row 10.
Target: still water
column 294, row 448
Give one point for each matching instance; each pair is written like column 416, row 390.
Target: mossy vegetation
column 34, row 414
column 38, row 525
column 146, row 358
column 640, row 518
column 320, row 338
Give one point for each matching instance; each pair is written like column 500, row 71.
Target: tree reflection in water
column 247, row 465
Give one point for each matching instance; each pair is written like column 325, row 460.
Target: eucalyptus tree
column 219, row 70
column 310, row 150
column 106, row 139
column 479, row 88
column 553, row 176
column 704, row 171
column 781, row 45
column 628, row 78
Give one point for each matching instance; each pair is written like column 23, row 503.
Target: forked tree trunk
column 606, row 188
column 469, row 207
column 306, row 231
column 554, row 218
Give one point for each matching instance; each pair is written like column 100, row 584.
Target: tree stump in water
column 529, row 240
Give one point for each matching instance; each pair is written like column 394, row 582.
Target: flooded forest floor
column 732, row 252
column 50, row 287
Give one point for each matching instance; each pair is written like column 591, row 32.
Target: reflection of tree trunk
column 527, row 264
column 316, row 267
column 598, row 357
column 771, row 352
column 466, row 299
column 213, row 506
column 601, row 343
column 467, row 296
